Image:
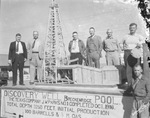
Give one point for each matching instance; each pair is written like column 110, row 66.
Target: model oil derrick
column 54, row 52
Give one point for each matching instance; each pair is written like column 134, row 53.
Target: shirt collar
column 76, row 40
column 93, row 36
column 109, row 37
column 140, row 77
column 132, row 34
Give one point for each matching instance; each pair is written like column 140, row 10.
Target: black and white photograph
column 74, row 58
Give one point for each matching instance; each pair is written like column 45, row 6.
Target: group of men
column 91, row 53
column 131, row 45
column 18, row 53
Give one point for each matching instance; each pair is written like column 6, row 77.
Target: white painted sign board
column 47, row 104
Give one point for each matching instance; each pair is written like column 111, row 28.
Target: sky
column 25, row 16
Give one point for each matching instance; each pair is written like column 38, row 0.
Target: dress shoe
column 22, row 84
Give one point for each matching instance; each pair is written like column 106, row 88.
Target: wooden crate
column 84, row 75
column 110, row 75
column 122, row 73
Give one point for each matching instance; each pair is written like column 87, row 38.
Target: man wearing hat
column 16, row 58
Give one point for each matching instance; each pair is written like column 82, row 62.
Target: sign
column 46, row 104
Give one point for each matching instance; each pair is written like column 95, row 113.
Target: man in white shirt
column 16, row 58
column 35, row 56
column 76, row 48
column 131, row 41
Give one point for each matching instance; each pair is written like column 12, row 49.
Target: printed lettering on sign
column 45, row 104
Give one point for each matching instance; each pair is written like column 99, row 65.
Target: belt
column 75, row 52
column 127, row 49
column 35, row 52
column 92, row 51
column 139, row 97
column 111, row 51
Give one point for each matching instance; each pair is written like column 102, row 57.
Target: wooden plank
column 110, row 75
column 78, row 74
column 146, row 54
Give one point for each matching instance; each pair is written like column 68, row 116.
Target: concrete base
column 64, row 101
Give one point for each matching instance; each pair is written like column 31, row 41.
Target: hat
column 136, row 52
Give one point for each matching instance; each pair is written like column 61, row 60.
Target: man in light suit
column 16, row 58
column 35, row 56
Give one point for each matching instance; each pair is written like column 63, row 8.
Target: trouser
column 94, row 57
column 112, row 58
column 136, row 113
column 129, row 68
column 18, row 64
column 74, row 56
column 35, row 63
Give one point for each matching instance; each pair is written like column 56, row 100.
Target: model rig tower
column 54, row 50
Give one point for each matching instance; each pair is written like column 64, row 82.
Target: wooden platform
column 108, row 75
column 93, row 93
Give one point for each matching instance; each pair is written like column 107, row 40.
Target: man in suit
column 76, row 48
column 94, row 47
column 17, row 56
column 35, row 56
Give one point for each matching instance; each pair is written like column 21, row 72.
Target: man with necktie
column 35, row 56
column 16, row 58
column 76, row 48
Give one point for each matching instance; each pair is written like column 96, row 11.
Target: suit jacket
column 12, row 51
column 40, row 50
column 97, row 42
column 81, row 46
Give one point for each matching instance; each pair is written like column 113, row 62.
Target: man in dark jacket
column 77, row 49
column 141, row 94
column 94, row 48
column 16, row 58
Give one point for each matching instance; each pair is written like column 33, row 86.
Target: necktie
column 33, row 44
column 17, row 47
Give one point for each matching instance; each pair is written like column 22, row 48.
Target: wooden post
column 146, row 54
